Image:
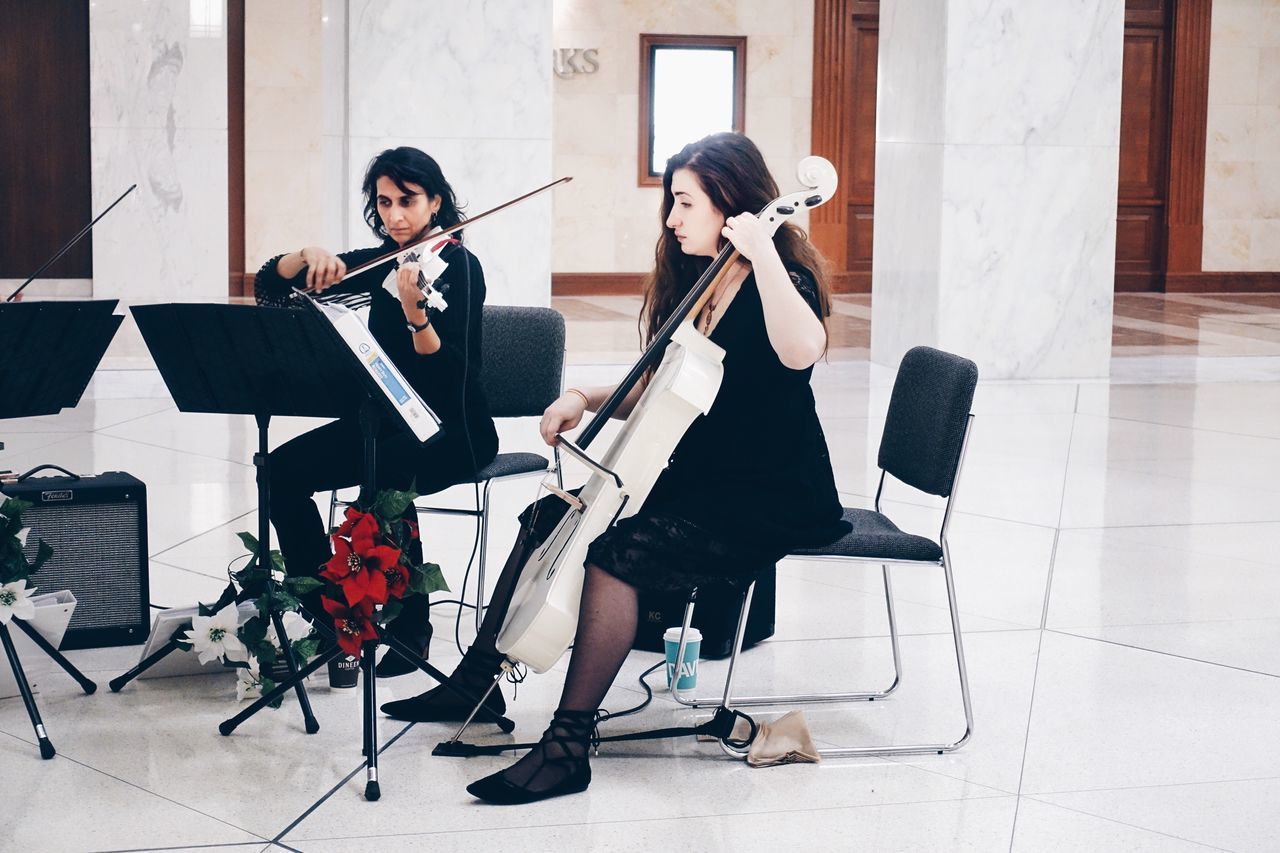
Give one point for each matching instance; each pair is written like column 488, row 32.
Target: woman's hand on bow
column 324, row 269
column 564, row 414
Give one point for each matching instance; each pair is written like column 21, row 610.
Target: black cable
column 648, row 691
column 471, row 453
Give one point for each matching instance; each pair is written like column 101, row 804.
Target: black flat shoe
column 569, row 736
column 496, row 790
column 441, row 704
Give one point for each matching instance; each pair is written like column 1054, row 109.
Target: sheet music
column 417, row 415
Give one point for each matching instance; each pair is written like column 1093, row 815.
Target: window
column 690, row 86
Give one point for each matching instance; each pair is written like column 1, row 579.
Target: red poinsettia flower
column 413, row 529
column 361, row 578
column 344, row 562
column 361, row 528
column 354, row 624
column 397, row 579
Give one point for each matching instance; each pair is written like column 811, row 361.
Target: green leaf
column 267, row 686
column 428, row 579
column 391, row 504
column 285, row 600
column 250, row 541
column 265, row 652
column 253, row 631
column 277, row 561
column 302, row 585
column 306, row 648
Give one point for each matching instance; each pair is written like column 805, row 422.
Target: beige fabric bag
column 786, row 740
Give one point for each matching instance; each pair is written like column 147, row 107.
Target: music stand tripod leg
column 310, row 722
column 261, row 462
column 228, row 726
column 87, row 685
column 46, row 746
column 117, row 684
column 372, row 790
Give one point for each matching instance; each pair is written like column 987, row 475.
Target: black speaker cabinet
column 98, row 529
column 716, row 616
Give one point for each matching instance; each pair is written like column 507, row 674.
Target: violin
column 543, row 616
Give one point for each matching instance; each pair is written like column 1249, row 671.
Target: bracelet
column 585, row 401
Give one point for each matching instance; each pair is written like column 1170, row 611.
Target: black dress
column 330, row 456
column 749, row 482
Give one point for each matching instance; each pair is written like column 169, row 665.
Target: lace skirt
column 660, row 552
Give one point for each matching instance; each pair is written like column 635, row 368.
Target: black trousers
column 332, row 457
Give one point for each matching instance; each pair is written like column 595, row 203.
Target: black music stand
column 232, row 359
column 55, row 347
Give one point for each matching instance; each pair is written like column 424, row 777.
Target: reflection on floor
column 1119, row 588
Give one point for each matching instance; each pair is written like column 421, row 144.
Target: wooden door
column 1161, row 176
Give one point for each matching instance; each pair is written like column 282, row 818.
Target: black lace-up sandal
column 557, row 766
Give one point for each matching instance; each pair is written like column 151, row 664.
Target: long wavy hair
column 405, row 165
column 732, row 172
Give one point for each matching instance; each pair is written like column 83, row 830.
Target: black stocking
column 606, row 629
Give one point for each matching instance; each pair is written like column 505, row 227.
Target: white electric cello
column 543, row 616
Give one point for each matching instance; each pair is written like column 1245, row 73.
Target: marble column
column 997, row 156
column 470, row 84
column 158, row 118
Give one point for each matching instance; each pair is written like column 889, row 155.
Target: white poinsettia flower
column 22, row 536
column 15, row 601
column 435, row 300
column 295, row 628
column 248, row 681
column 214, row 637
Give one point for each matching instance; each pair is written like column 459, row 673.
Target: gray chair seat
column 512, row 464
column 876, row 536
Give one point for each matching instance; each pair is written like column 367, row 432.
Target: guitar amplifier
column 98, row 529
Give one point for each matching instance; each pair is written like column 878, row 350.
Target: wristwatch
column 414, row 327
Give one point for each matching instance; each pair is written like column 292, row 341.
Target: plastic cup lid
column 673, row 635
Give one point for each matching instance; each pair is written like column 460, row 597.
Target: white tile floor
column 1120, row 594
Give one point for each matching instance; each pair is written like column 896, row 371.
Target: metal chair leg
column 962, row 671
column 791, row 698
column 483, row 510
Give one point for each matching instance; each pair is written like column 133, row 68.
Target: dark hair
column 405, row 165
column 732, row 172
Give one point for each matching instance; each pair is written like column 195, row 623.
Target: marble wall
column 470, row 84
column 158, row 118
column 604, row 222
column 1242, row 156
column 285, row 178
column 996, row 183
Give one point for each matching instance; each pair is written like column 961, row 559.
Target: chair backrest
column 928, row 414
column 523, row 350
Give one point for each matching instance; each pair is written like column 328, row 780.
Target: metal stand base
column 46, row 746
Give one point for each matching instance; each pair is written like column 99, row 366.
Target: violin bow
column 444, row 232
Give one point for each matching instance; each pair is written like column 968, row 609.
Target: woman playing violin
column 435, row 346
column 747, row 483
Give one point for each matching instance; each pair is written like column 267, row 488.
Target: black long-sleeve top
column 439, row 377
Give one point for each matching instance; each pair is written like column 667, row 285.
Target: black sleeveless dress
column 749, row 482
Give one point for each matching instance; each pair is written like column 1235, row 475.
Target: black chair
column 923, row 445
column 523, row 373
